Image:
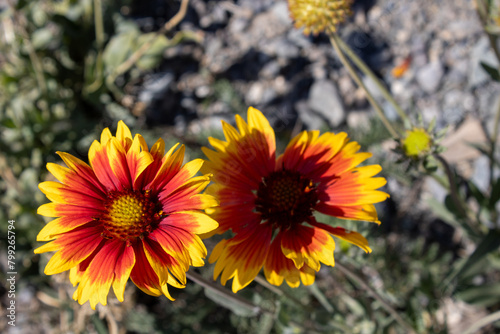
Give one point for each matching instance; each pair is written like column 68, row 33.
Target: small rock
column 325, row 100
column 155, row 86
column 480, row 176
column 202, row 92
column 270, row 70
column 280, row 10
column 429, row 77
column 458, row 150
column 255, row 93
column 280, row 47
column 311, row 120
column 358, row 119
column 453, row 106
column 298, row 38
column 434, row 190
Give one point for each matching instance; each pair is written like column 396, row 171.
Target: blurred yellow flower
column 416, row 143
column 317, row 16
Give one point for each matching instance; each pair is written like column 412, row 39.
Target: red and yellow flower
column 269, row 202
column 133, row 213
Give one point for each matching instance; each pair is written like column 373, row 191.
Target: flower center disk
column 286, row 198
column 130, row 214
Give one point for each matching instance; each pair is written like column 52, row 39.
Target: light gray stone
column 429, row 76
column 325, row 100
column 311, row 120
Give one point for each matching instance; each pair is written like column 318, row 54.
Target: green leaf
column 442, row 212
column 495, row 194
column 320, row 296
column 99, row 324
column 484, row 295
column 430, row 164
column 154, row 55
column 232, row 304
column 119, row 49
column 475, row 263
column 476, row 193
column 8, row 123
column 452, row 206
column 493, row 72
column 42, row 37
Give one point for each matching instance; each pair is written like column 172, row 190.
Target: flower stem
column 320, row 296
column 376, row 296
column 197, row 278
column 493, row 146
column 334, row 41
column 369, row 73
column 20, row 22
column 280, row 292
column 242, row 302
column 482, row 11
column 454, row 194
column 99, row 37
column 489, row 319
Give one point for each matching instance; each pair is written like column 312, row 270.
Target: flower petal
column 123, row 135
column 308, row 245
column 63, row 194
column 114, row 262
column 74, row 180
column 82, row 169
column 60, row 226
column 100, row 164
column 241, row 258
column 192, row 221
column 162, row 263
column 278, row 267
column 347, row 235
column 73, row 247
column 360, row 212
column 171, row 164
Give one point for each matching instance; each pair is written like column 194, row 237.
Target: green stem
column 37, row 66
column 409, row 329
column 369, row 73
column 197, row 278
column 491, row 156
column 242, row 302
column 321, row 298
column 489, row 319
column 35, row 61
column 482, row 11
column 454, row 194
column 99, row 36
column 493, row 142
column 334, row 41
column 279, row 292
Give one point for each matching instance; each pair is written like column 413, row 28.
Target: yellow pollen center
column 319, row 15
column 130, row 214
column 126, row 211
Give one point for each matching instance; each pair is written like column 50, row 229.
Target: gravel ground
column 251, row 55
